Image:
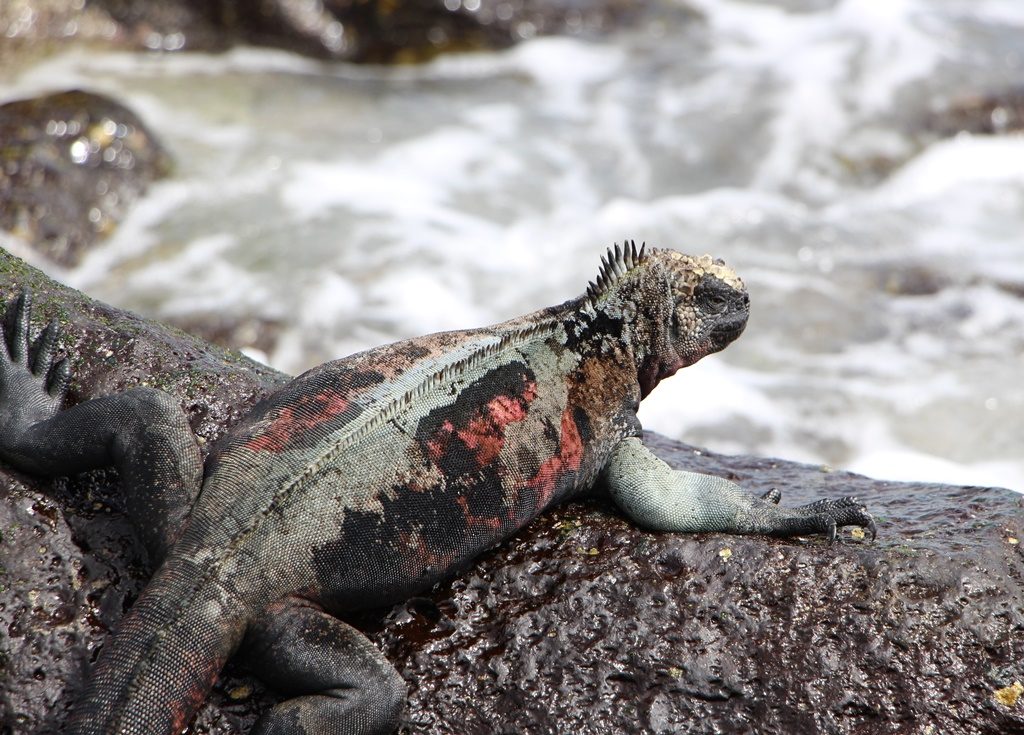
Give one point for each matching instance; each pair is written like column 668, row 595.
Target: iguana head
column 711, row 304
column 673, row 308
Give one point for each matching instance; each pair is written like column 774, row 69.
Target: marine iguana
column 369, row 478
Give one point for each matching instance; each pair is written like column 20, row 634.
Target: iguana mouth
column 728, row 329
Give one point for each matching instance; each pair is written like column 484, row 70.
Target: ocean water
column 350, row 206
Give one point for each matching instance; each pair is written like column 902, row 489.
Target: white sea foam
column 951, row 169
column 909, row 466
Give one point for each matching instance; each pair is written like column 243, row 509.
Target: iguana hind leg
column 338, row 681
column 143, row 432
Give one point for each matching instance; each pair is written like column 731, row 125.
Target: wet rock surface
column 990, row 113
column 371, row 30
column 585, row 624
column 69, row 566
column 71, row 165
column 581, row 623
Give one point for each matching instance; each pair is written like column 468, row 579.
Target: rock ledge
column 581, row 623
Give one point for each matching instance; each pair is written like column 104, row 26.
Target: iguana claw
column 846, row 511
column 772, row 496
column 32, row 386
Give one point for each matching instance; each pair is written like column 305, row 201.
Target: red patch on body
column 307, row 413
column 491, row 523
column 484, row 433
column 205, row 673
column 568, row 459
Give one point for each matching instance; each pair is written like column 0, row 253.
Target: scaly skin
column 370, row 478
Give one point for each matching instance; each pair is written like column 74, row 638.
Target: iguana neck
column 633, row 316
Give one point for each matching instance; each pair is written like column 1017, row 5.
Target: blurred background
column 302, row 180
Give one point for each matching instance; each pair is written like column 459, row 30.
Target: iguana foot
column 337, row 680
column 142, row 431
column 32, row 386
column 834, row 514
column 823, row 516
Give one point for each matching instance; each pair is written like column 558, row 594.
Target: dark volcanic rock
column 995, row 113
column 71, row 164
column 367, row 30
column 389, row 31
column 69, row 566
column 582, row 623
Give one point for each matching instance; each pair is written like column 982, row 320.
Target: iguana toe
column 16, row 323
column 31, row 385
column 772, row 496
column 846, row 511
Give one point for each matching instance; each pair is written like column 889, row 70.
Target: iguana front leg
column 662, row 499
column 142, row 432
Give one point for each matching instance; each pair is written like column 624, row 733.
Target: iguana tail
column 159, row 666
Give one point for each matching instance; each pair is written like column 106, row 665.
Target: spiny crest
column 396, row 405
column 476, row 358
column 614, row 264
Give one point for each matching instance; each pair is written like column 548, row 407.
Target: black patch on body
column 583, row 333
column 422, row 535
column 378, row 558
column 478, row 483
column 508, row 380
column 583, row 426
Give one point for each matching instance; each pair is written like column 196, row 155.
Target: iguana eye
column 713, row 296
column 716, row 301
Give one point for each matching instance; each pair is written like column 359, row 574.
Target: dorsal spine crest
column 615, row 264
column 392, row 408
